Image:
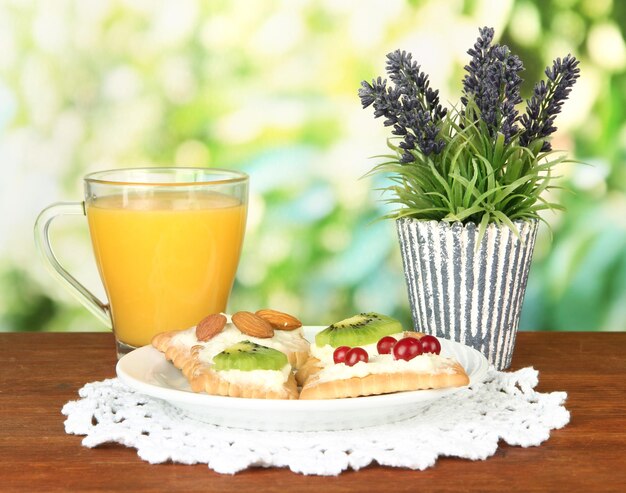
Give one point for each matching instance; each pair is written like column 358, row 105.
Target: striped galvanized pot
column 467, row 294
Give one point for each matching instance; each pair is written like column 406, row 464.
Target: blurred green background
column 269, row 87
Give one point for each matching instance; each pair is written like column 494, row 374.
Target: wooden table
column 41, row 372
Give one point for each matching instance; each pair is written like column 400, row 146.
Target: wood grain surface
column 41, row 372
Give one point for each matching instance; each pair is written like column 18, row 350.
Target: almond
column 210, row 326
column 279, row 320
column 252, row 325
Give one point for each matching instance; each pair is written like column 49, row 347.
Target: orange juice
column 167, row 259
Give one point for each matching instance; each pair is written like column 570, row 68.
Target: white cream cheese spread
column 378, row 363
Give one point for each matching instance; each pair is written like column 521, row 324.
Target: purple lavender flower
column 492, row 81
column 547, row 101
column 410, row 106
column 476, row 69
column 492, row 86
column 412, row 82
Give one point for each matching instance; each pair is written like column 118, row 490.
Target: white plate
column 146, row 370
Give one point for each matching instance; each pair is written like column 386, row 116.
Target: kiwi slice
column 359, row 330
column 248, row 356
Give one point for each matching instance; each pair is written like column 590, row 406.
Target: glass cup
column 167, row 243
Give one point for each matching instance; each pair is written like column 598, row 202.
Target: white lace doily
column 466, row 424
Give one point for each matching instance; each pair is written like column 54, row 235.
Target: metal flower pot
column 467, row 294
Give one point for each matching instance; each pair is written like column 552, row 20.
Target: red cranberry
column 355, row 355
column 407, row 348
column 385, row 344
column 339, row 355
column 430, row 344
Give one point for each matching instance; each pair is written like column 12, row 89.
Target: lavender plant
column 480, row 162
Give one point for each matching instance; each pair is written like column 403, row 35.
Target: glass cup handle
column 42, row 241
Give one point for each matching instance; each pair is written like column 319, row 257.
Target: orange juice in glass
column 167, row 243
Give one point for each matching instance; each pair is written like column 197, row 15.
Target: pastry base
column 308, row 369
column 382, row 383
column 313, row 365
column 179, row 355
column 203, row 379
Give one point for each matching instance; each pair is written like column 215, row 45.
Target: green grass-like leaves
column 477, row 178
